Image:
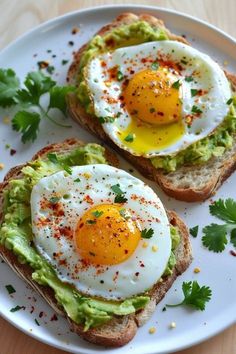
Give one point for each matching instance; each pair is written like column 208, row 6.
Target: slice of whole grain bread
column 121, row 329
column 189, row 183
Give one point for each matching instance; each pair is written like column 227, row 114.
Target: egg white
column 207, row 75
column 98, row 187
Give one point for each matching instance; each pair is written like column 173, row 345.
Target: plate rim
column 65, row 17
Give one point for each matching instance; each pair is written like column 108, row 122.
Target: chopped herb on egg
column 54, row 200
column 120, row 198
column 183, row 61
column 189, row 78
column 194, row 92
column 50, row 69
column 152, row 110
column 120, row 75
column 176, row 84
column 129, row 138
column 106, row 119
column 91, row 222
column 37, row 322
column 196, row 109
column 116, row 189
column 155, row 65
column 77, row 180
column 147, row 233
column 97, row 213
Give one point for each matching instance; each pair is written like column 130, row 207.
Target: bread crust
column 175, row 184
column 121, row 329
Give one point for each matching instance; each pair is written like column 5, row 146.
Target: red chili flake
column 126, row 251
column 233, row 253
column 63, row 262
column 43, row 64
column 88, row 199
column 41, row 314
column 75, row 30
column 54, row 318
column 32, row 309
column 66, row 231
column 137, row 274
column 160, row 113
column 110, row 42
column 12, row 152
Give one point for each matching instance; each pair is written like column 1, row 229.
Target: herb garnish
column 154, row 65
column 147, row 233
column 107, row 119
column 10, row 289
column 194, row 295
column 188, row 79
column 17, row 308
column 194, row 231
column 195, row 109
column 194, row 92
column 97, row 213
column 28, row 100
column 129, row 138
column 215, row 235
column 91, row 222
column 119, row 198
column 230, row 100
column 176, row 84
column 120, row 75
column 54, row 159
column 54, row 200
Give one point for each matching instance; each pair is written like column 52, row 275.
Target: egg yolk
column 153, row 96
column 106, row 235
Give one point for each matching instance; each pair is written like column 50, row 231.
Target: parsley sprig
column 215, row 235
column 194, row 295
column 28, row 100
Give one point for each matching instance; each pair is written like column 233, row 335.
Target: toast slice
column 187, row 183
column 121, row 329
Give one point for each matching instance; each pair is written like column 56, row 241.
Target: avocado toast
column 193, row 174
column 110, row 328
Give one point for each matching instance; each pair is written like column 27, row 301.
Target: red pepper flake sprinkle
column 233, row 253
column 54, row 318
column 12, row 152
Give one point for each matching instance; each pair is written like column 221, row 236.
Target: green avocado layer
column 136, row 33
column 16, row 235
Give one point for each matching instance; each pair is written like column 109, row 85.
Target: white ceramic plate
column 217, row 270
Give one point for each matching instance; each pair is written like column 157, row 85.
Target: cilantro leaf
column 195, row 109
column 97, row 213
column 58, row 96
column 9, row 84
column 233, row 237
column 116, row 189
column 27, row 123
column 37, row 84
column 194, row 92
column 230, row 100
column 176, row 84
column 194, row 295
column 154, row 65
column 119, row 198
column 129, row 138
column 120, row 75
column 215, row 237
column 147, row 233
column 91, row 222
column 194, row 231
column 188, row 79
column 54, row 200
column 224, row 210
column 17, row 308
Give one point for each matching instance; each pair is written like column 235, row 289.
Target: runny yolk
column 106, row 235
column 151, row 96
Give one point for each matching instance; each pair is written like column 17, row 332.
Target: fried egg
column 103, row 230
column 157, row 98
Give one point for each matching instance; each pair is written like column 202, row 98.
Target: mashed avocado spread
column 16, row 235
column 139, row 32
